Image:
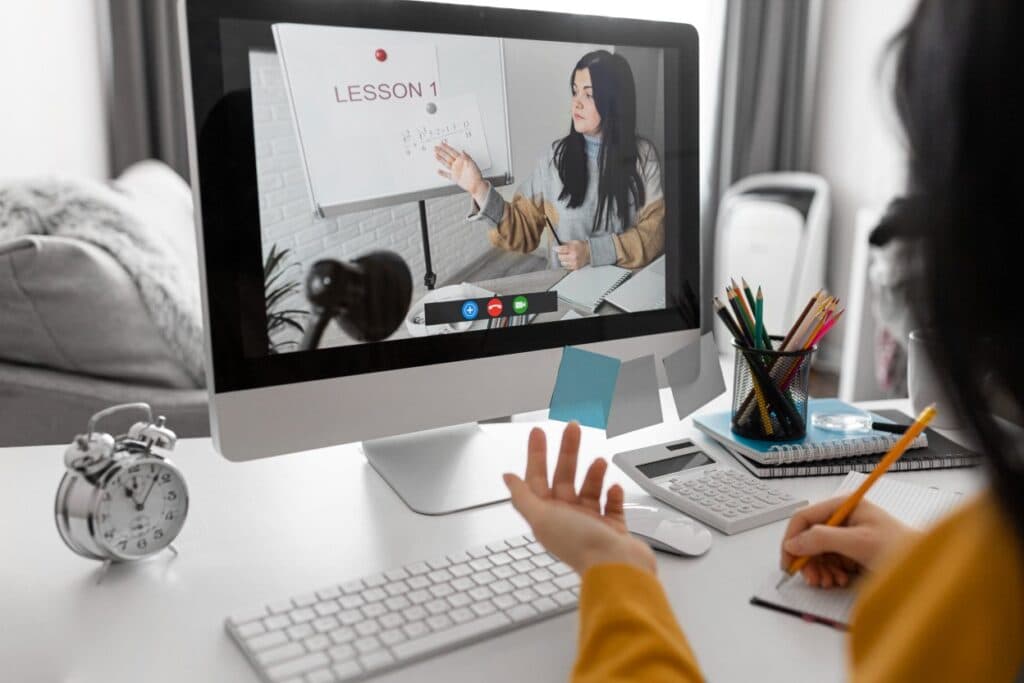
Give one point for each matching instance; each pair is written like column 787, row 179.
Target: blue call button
column 470, row 310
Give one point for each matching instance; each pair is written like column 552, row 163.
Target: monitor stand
column 452, row 468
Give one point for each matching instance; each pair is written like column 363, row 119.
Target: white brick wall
column 287, row 217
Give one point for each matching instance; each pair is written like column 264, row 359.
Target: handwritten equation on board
column 425, row 137
column 416, row 130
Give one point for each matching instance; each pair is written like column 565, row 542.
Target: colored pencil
column 843, row 511
column 765, row 339
column 759, row 319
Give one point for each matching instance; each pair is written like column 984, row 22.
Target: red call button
column 381, row 54
column 494, row 307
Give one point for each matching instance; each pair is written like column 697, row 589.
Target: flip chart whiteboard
column 369, row 105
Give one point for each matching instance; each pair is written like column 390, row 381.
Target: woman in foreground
column 944, row 605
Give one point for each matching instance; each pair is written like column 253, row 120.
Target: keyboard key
column 546, row 588
column 317, row 642
column 418, row 597
column 478, row 552
column 541, row 575
column 544, row 605
column 397, row 588
column 526, row 595
column 461, row 615
column 417, row 568
column 482, row 609
column 520, row 553
column 564, row 598
column 568, row 580
column 367, row 628
column 440, row 576
column 501, row 586
column 497, row 546
column 459, row 557
column 437, row 606
column 501, row 559
column 278, row 621
column 416, row 629
column 461, row 569
column 349, row 617
column 418, row 582
column 559, row 568
column 463, row 583
column 481, row 593
column 521, row 612
column 325, row 624
column 521, row 581
column 351, row 601
column 347, row 669
column 281, row 606
column 331, row 593
column 374, row 609
column 305, row 600
column 399, row 602
column 505, row 601
column 441, row 590
column 314, row 660
column 392, row 636
column 415, row 613
column 481, row 564
column 535, row 548
column 544, row 560
column 503, row 572
column 300, row 631
column 439, row 563
column 458, row 600
column 326, row 608
column 302, row 615
column 267, row 640
column 376, row 660
column 368, row 644
column 439, row 621
column 523, row 566
column 441, row 639
column 396, row 574
column 374, row 594
column 251, row 629
column 341, row 653
column 320, row 676
column 391, row 620
column 375, row 580
column 516, row 541
column 342, row 635
column 352, row 587
column 280, row 653
column 485, row 577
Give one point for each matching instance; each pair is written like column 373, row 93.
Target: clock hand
column 140, row 506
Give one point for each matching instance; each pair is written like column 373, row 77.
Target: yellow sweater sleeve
column 949, row 609
column 628, row 631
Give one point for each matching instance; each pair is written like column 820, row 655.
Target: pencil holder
column 769, row 398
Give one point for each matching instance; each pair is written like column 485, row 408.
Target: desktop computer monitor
column 535, row 172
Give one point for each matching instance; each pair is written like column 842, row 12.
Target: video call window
column 538, row 164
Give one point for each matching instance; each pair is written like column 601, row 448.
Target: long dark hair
column 615, row 97
column 960, row 94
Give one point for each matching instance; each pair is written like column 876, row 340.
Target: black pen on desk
column 889, row 427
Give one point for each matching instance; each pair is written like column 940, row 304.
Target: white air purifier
column 773, row 230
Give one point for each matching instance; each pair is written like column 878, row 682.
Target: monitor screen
column 538, row 177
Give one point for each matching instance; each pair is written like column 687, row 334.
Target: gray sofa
column 82, row 323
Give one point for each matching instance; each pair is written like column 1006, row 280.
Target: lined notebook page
column 917, row 506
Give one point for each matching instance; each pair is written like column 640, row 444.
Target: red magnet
column 381, row 54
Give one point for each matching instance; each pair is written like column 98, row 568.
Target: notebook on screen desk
column 645, row 291
column 588, row 287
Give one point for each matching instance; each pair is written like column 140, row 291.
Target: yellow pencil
column 844, row 510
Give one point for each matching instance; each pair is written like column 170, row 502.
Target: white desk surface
column 269, row 529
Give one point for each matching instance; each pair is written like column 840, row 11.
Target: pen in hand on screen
column 553, row 233
column 843, row 511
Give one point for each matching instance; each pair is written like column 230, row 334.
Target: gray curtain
column 766, row 107
column 147, row 112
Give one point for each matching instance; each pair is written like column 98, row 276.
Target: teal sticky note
column 584, row 387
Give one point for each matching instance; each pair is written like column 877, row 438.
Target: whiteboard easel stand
column 429, row 276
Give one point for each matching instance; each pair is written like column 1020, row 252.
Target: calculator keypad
column 730, row 501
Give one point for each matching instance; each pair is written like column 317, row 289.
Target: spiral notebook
column 940, row 453
column 587, row 287
column 819, row 444
column 914, row 505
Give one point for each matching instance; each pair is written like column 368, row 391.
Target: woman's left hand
column 571, row 523
column 573, row 255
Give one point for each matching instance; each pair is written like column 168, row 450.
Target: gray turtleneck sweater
column 519, row 225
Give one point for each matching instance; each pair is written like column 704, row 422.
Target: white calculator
column 690, row 480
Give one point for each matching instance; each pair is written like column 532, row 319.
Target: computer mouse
column 665, row 529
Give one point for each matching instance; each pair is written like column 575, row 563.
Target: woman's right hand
column 837, row 553
column 460, row 168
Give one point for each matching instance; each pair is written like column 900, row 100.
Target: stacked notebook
column 823, row 452
column 914, row 505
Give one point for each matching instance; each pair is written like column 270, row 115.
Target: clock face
column 141, row 509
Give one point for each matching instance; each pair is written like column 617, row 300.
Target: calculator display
column 676, row 464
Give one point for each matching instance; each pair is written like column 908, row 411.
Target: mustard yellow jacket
column 949, row 608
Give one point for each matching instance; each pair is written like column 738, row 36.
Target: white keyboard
column 360, row 628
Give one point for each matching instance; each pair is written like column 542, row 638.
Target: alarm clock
column 120, row 498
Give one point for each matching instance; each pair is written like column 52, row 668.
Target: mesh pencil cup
column 769, row 397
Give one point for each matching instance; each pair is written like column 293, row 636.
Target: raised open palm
column 571, row 524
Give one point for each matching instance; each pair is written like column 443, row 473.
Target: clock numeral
column 141, row 545
column 109, row 535
column 158, row 534
column 134, row 469
column 165, row 477
column 169, row 516
column 122, row 544
column 104, row 516
column 171, row 495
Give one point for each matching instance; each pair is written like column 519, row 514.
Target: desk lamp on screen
column 495, row 133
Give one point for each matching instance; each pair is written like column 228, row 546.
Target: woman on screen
column 598, row 190
column 946, row 604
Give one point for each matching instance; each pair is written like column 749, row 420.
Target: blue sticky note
column 584, row 387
